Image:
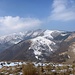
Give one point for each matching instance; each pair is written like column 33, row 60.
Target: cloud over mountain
column 63, row 10
column 10, row 24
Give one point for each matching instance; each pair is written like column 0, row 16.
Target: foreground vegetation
column 40, row 69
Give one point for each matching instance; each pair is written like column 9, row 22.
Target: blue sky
column 22, row 15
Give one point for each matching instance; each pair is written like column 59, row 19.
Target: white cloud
column 63, row 10
column 13, row 24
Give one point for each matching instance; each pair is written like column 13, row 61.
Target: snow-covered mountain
column 34, row 45
column 17, row 37
column 41, row 45
column 11, row 39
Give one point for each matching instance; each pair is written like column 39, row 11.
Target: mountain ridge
column 46, row 45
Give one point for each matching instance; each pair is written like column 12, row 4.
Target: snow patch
column 63, row 34
column 48, row 33
column 40, row 44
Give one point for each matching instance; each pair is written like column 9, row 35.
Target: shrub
column 29, row 69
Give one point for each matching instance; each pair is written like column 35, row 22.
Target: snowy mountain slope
column 50, row 34
column 41, row 45
column 16, row 37
column 35, row 45
column 11, row 39
column 45, row 44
